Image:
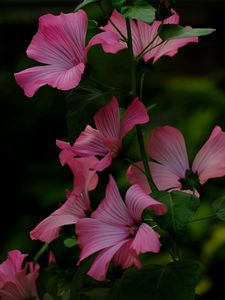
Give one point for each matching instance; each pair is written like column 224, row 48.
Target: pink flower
column 60, row 45
column 106, row 140
column 117, row 231
column 171, row 168
column 142, row 35
column 17, row 283
column 76, row 204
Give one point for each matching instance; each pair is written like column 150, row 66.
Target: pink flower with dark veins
column 77, row 202
column 60, row 45
column 170, row 167
column 16, row 282
column 106, row 140
column 142, row 34
column 116, row 230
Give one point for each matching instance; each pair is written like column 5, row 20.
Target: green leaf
column 219, row 208
column 82, row 104
column 139, row 10
column 176, row 281
column 99, row 293
column 86, row 2
column 118, row 3
column 70, row 242
column 180, row 210
column 47, row 297
column 172, row 31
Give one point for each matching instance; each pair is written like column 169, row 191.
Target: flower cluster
column 116, row 231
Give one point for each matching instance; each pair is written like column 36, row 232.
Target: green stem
column 204, row 218
column 149, row 44
column 41, row 251
column 134, row 94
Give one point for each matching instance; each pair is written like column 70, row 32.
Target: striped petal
column 210, row 160
column 166, row 145
column 137, row 200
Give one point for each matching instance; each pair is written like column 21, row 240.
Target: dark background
column 189, row 91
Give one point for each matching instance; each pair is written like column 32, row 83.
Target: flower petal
column 110, row 42
column 163, row 178
column 67, row 152
column 69, row 213
column 112, row 210
column 94, row 235
column 210, row 160
column 90, row 143
column 135, row 114
column 137, row 200
column 166, row 145
column 124, row 258
column 101, row 263
column 146, row 240
column 56, row 76
column 103, row 163
column 60, row 40
column 136, row 176
column 107, row 119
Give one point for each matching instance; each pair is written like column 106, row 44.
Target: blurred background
column 189, row 90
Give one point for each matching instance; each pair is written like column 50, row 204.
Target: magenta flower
column 171, row 170
column 17, row 283
column 142, row 34
column 76, row 205
column 106, row 140
column 60, row 45
column 117, row 231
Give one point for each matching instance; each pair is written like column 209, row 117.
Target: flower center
column 190, row 182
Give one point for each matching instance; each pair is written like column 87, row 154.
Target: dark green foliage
column 86, row 2
column 180, row 210
column 176, row 281
column 219, row 207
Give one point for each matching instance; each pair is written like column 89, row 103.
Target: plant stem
column 134, row 94
column 41, row 251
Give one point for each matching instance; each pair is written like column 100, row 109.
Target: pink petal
column 169, row 48
column 137, row 200
column 124, row 258
column 146, row 240
column 102, row 164
column 135, row 114
column 85, row 179
column 67, row 152
column 90, row 143
column 112, row 210
column 110, row 42
column 163, row 178
column 60, row 43
column 210, row 160
column 101, row 263
column 114, row 43
column 166, row 145
column 107, row 119
column 69, row 213
column 60, row 40
column 94, row 235
column 119, row 21
column 11, row 266
column 56, row 76
column 136, row 176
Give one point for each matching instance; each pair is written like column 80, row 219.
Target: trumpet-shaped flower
column 170, row 168
column 145, row 39
column 60, row 45
column 76, row 205
column 117, row 231
column 106, row 140
column 17, row 283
